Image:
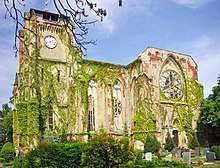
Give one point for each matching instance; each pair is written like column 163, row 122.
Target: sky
column 190, row 27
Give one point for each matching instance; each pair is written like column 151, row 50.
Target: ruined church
column 57, row 89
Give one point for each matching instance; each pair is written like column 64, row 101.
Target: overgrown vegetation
column 210, row 115
column 169, row 143
column 51, row 154
column 6, row 130
column 104, row 151
column 152, row 144
column 7, row 152
column 216, row 149
column 160, row 163
column 193, row 141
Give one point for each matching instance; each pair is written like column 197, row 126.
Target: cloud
column 117, row 15
column 192, row 3
column 206, row 52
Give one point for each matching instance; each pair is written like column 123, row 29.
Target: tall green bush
column 70, row 154
column 7, row 152
column 55, row 155
column 169, row 143
column 202, row 134
column 152, row 144
column 216, row 149
column 45, row 155
column 104, row 151
column 193, row 141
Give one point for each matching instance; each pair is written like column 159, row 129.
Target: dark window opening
column 54, row 18
column 42, row 73
column 58, row 75
column 91, row 117
column 46, row 17
column 50, row 17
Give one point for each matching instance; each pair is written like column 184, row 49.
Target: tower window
column 54, row 18
column 50, row 17
column 46, row 17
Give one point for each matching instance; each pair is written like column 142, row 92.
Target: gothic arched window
column 91, row 105
column 117, row 102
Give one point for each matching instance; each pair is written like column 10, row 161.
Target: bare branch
column 76, row 12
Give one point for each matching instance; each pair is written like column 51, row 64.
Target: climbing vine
column 52, row 85
column 144, row 119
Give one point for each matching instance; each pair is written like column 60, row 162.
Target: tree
column 211, row 107
column 210, row 112
column 104, row 151
column 169, row 143
column 193, row 141
column 6, row 120
column 7, row 152
column 75, row 10
column 152, row 144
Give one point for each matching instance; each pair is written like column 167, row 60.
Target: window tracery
column 91, row 104
column 117, row 102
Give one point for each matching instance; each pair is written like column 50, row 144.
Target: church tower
column 47, row 60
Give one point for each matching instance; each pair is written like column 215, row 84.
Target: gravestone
column 179, row 154
column 160, row 152
column 168, row 158
column 174, row 151
column 148, row 156
column 185, row 150
column 206, row 150
column 187, row 157
column 197, row 152
column 210, row 156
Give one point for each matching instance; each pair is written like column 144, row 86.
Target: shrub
column 19, row 162
column 140, row 154
column 55, row 155
column 169, row 143
column 7, row 152
column 160, row 163
column 193, row 141
column 152, row 144
column 70, row 154
column 103, row 150
column 2, row 160
column 216, row 149
column 45, row 155
column 202, row 134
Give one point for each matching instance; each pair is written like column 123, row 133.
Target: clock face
column 171, row 84
column 50, row 42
